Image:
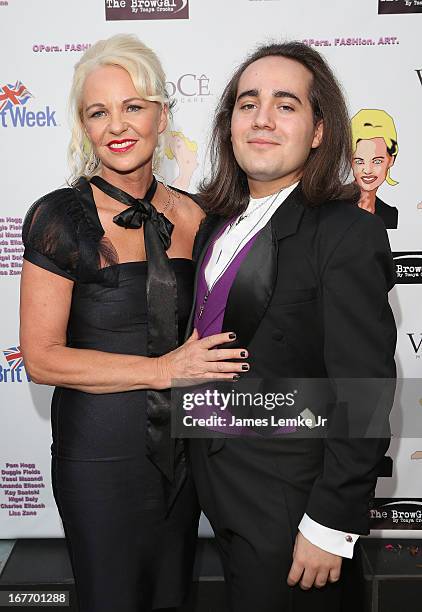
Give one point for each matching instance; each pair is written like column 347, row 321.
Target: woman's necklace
column 170, row 198
column 238, row 248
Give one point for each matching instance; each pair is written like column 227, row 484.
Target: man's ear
column 318, row 134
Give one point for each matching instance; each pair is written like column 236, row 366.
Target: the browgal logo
column 121, row 10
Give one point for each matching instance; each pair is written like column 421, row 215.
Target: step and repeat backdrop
column 374, row 48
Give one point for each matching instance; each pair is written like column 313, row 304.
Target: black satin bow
column 162, row 322
column 139, row 210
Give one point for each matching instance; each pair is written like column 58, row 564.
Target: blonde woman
column 375, row 150
column 106, row 293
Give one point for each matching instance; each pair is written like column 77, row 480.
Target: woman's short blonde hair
column 147, row 74
column 371, row 123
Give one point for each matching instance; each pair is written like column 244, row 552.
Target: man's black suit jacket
column 389, row 214
column 310, row 300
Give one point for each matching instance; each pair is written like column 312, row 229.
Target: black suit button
column 278, row 335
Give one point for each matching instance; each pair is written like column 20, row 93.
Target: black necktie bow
column 139, row 211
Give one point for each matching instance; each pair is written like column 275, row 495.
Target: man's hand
column 312, row 566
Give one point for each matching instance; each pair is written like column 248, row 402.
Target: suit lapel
column 287, row 218
column 211, row 226
column 253, row 286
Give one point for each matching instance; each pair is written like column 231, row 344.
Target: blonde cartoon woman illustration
column 375, row 148
column 185, row 152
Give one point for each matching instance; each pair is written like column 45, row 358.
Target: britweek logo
column 408, row 267
column 396, row 7
column 13, row 110
column 146, row 9
column 15, row 371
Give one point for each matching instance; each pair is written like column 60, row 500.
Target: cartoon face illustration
column 371, row 163
column 375, row 148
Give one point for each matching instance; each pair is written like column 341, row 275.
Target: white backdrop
column 377, row 58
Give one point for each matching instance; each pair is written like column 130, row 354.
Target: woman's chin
column 125, row 166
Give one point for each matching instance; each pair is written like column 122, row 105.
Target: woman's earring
column 92, row 163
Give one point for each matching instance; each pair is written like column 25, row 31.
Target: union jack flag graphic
column 14, row 357
column 13, row 95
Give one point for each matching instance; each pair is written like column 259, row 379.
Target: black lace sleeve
column 62, row 233
column 49, row 234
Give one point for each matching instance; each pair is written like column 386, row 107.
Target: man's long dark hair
column 327, row 168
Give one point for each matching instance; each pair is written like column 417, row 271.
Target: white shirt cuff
column 336, row 542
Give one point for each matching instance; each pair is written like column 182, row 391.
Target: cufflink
column 348, row 538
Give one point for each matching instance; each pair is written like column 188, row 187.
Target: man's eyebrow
column 250, row 93
column 278, row 93
column 281, row 93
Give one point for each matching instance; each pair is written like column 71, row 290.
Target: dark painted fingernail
column 245, row 367
column 232, row 336
column 236, row 377
column 243, row 354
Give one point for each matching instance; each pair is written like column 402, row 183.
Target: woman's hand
column 199, row 359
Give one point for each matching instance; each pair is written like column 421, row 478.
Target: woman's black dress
column 128, row 553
